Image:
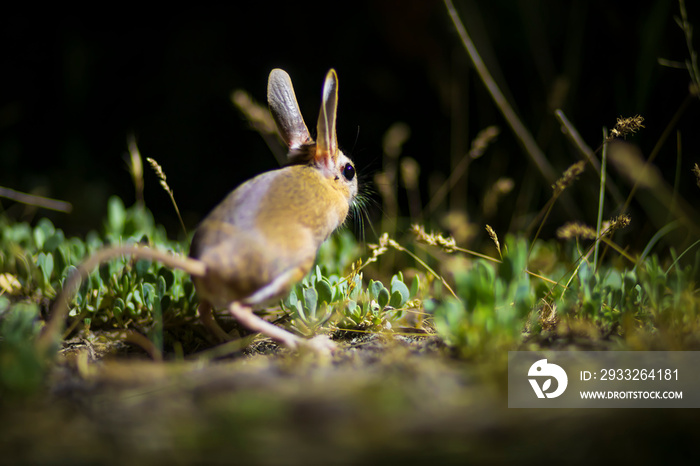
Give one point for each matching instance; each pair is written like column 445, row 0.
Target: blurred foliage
column 21, row 367
column 491, row 305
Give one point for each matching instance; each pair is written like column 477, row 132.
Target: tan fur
column 264, row 236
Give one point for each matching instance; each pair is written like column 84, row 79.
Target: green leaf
column 325, row 292
column 104, row 273
column 300, row 311
column 167, row 275
column 383, row 298
column 401, row 288
column 43, row 230
column 141, row 268
column 132, row 309
column 148, row 292
column 162, row 287
column 396, row 300
column 290, row 302
column 357, row 313
column 98, row 300
column 39, row 237
column 415, row 286
column 374, row 289
column 118, row 308
column 311, row 301
column 45, row 263
column 125, row 284
column 116, row 216
column 339, row 292
column 54, row 241
column 136, row 296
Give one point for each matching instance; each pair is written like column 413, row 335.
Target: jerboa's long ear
column 327, row 140
column 285, row 110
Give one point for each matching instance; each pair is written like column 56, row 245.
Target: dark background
column 76, row 85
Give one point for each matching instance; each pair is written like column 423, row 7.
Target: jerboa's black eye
column 349, row 171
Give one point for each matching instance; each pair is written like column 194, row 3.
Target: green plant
column 21, row 367
column 35, row 262
column 492, row 303
column 321, row 300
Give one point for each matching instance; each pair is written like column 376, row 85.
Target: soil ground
column 376, row 400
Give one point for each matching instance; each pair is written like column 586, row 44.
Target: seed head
column 626, row 126
column 576, row 230
column 568, row 177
